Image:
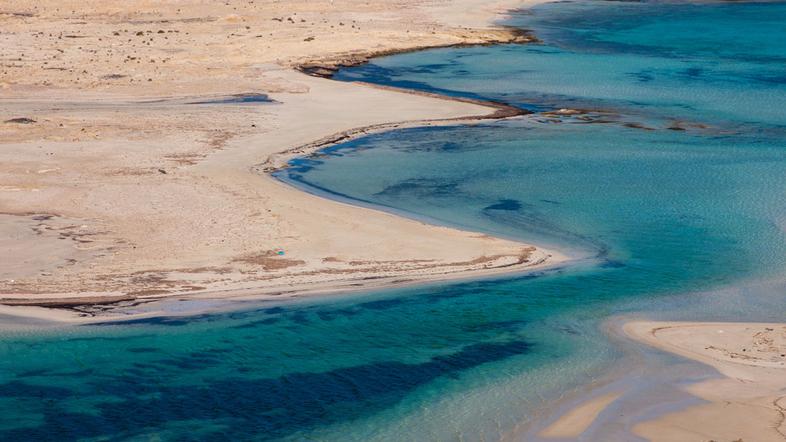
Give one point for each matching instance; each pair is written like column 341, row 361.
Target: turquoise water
column 669, row 190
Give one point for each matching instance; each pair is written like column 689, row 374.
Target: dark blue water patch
column 768, row 77
column 143, row 350
column 612, row 264
column 382, row 304
column 643, row 76
column 505, row 204
column 19, row 389
column 238, row 99
column 213, row 351
column 34, row 373
column 694, row 72
column 171, row 321
column 255, row 324
column 377, row 74
column 77, row 373
column 269, row 408
column 707, row 75
column 496, row 326
column 193, row 361
column 136, row 371
column 425, row 187
column 334, row 314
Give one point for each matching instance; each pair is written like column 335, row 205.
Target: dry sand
column 115, row 185
column 747, row 404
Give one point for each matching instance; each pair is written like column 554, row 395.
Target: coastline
column 85, row 313
column 747, row 403
column 109, row 262
column 678, row 380
column 230, row 164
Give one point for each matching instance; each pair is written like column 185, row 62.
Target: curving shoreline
column 328, row 66
column 111, row 262
column 280, row 160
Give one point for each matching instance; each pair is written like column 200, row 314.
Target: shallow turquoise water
column 672, row 223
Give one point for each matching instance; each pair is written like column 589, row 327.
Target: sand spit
column 748, row 404
column 576, row 421
column 127, row 168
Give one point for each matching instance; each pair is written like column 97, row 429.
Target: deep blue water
column 669, row 187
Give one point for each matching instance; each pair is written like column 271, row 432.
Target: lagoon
column 667, row 189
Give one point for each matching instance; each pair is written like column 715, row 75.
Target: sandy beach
column 128, row 172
